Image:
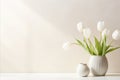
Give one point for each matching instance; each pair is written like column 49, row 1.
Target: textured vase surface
column 98, row 65
column 82, row 70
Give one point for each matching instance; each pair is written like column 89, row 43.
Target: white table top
column 54, row 76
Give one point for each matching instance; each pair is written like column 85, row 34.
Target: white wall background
column 33, row 31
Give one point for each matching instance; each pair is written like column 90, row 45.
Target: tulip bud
column 80, row 27
column 66, row 45
column 87, row 33
column 116, row 35
column 100, row 26
column 105, row 32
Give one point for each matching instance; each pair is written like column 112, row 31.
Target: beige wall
column 33, row 31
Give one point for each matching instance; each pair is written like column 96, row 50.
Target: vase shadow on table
column 107, row 75
column 113, row 75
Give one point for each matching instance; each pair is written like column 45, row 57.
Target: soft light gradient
column 33, row 31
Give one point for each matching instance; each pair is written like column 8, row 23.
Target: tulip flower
column 100, row 47
column 105, row 32
column 100, row 26
column 80, row 27
column 66, row 45
column 87, row 33
column 116, row 35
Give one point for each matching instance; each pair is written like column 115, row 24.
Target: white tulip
column 87, row 33
column 66, row 45
column 100, row 26
column 105, row 32
column 116, row 35
column 80, row 27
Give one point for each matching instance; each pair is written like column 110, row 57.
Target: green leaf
column 104, row 47
column 104, row 39
column 87, row 47
column 112, row 49
column 97, row 45
column 94, row 52
column 107, row 47
column 80, row 43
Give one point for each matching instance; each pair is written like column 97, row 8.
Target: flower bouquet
column 98, row 48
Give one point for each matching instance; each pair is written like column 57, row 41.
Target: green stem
column 100, row 36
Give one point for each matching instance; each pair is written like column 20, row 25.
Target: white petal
column 100, row 26
column 87, row 33
column 116, row 35
column 80, row 27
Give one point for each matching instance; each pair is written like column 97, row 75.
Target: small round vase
column 98, row 65
column 82, row 70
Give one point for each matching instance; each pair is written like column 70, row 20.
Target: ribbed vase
column 98, row 65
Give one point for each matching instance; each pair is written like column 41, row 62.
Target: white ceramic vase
column 98, row 65
column 82, row 70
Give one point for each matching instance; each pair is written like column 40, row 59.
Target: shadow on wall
column 29, row 40
column 65, row 14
